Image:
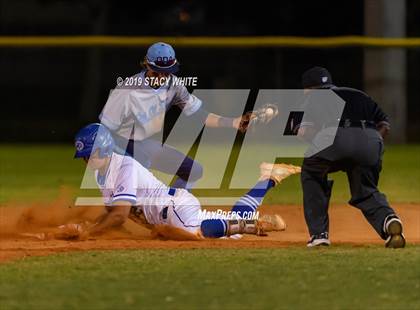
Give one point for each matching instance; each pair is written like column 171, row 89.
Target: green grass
column 37, row 172
column 341, row 277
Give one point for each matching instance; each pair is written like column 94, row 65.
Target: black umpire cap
column 316, row 77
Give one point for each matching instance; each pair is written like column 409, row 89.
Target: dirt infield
column 347, row 226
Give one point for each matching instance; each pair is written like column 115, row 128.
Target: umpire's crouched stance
column 357, row 149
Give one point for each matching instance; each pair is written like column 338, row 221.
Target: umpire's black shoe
column 319, row 240
column 394, row 229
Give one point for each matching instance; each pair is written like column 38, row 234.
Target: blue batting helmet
column 161, row 58
column 91, row 138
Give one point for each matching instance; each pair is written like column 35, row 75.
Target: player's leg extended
column 171, row 161
column 249, row 203
column 246, row 207
column 316, row 194
column 374, row 205
column 188, row 173
column 363, row 180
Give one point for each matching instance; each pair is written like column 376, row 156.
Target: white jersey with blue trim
column 126, row 179
column 138, row 111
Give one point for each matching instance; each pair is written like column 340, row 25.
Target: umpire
column 357, row 150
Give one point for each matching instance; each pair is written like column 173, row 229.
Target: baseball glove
column 265, row 114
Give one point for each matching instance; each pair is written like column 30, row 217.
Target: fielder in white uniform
column 132, row 191
column 136, row 109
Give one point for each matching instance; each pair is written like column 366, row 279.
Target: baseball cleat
column 393, row 228
column 277, row 172
column 319, row 240
column 270, row 222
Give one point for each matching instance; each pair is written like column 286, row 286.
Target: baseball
column 269, row 112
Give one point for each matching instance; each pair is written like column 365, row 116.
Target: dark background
column 48, row 93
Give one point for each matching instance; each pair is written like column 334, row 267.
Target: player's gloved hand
column 265, row 114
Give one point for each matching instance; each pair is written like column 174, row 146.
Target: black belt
column 346, row 123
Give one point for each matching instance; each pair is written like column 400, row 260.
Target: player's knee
column 213, row 228
column 196, row 172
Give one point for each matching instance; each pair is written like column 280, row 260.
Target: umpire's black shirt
column 322, row 117
column 358, row 107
